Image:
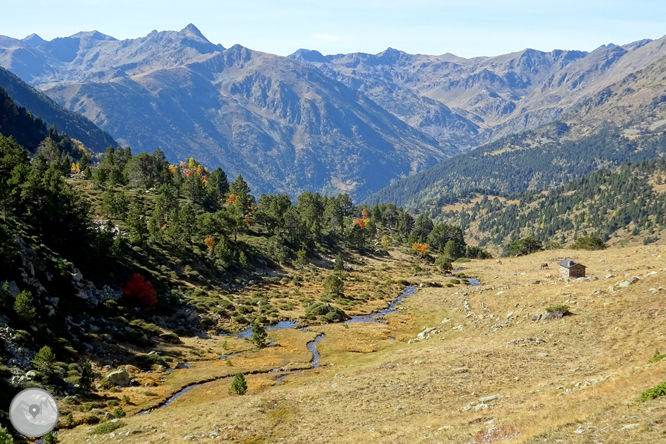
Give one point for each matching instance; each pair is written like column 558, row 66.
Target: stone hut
column 571, row 269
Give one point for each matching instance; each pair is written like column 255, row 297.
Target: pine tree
column 238, row 386
column 44, row 360
column 24, row 306
column 87, row 375
column 259, row 335
column 339, row 265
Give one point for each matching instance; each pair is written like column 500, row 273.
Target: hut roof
column 568, row 263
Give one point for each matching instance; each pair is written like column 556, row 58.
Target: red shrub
column 140, row 290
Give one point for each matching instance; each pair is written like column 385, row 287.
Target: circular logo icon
column 34, row 412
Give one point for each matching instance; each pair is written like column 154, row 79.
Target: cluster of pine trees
column 627, row 198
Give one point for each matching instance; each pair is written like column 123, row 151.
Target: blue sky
column 466, row 28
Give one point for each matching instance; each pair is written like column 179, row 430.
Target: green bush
column 333, row 285
column 558, row 311
column 443, row 262
column 5, row 436
column 653, row 393
column 44, row 360
column 50, row 438
column 462, row 259
column 455, row 281
column 329, row 312
column 238, row 385
column 24, row 306
column 170, row 338
column 119, row 412
column 525, row 246
column 589, row 243
column 107, row 427
column 657, row 356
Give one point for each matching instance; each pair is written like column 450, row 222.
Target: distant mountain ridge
column 284, row 126
column 333, row 123
column 73, row 124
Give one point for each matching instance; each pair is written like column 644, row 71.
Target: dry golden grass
column 588, row 369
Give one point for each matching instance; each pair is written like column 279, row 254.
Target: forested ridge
column 613, row 204
column 534, row 160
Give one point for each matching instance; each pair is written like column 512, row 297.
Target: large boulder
column 119, row 378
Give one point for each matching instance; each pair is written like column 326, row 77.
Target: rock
column 31, row 375
column 119, row 378
column 608, row 276
column 629, row 427
column 460, row 370
column 490, row 398
column 481, row 407
column 508, row 316
column 587, row 279
column 400, row 407
column 627, row 282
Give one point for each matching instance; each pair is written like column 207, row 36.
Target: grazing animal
column 498, row 261
column 544, row 265
column 549, row 275
column 519, row 255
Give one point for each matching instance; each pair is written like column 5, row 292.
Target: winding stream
column 312, row 346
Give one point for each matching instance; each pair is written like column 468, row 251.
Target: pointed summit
column 34, row 40
column 192, row 30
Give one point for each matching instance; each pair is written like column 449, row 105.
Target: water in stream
column 312, row 345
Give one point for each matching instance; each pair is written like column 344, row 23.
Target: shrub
column 330, row 313
column 339, row 265
column 119, row 412
column 462, row 259
column 107, row 427
column 589, row 243
column 50, row 438
column 149, row 393
column 525, row 246
column 5, row 436
column 170, row 338
column 141, row 291
column 44, row 360
column 301, row 258
column 91, row 419
column 653, row 393
column 238, row 385
column 126, row 399
column 443, row 262
column 657, row 356
column 87, row 376
column 552, row 245
column 334, row 286
column 24, row 306
column 558, row 311
column 455, row 281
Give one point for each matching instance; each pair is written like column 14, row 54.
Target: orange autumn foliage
column 361, row 223
column 422, row 249
column 365, row 214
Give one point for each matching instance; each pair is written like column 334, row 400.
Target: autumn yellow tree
column 361, row 223
column 421, row 249
column 365, row 213
column 210, row 243
column 385, row 242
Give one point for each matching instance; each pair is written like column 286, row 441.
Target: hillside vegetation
column 619, row 205
column 103, row 262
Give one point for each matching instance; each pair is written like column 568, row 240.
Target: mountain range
column 333, row 123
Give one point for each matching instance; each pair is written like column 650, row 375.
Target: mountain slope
column 284, row 126
column 75, row 125
column 496, row 96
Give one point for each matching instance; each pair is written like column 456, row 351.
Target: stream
column 312, row 346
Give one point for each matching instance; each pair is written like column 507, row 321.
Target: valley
column 553, row 377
